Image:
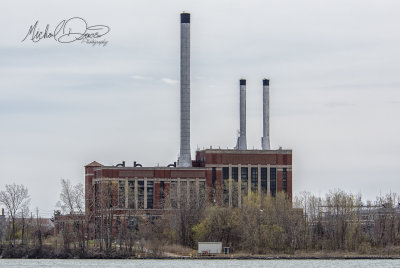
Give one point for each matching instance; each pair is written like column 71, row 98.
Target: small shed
column 209, row 248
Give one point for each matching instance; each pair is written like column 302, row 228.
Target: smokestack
column 265, row 138
column 184, row 157
column 2, row 211
column 241, row 143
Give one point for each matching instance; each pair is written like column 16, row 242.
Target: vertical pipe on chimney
column 242, row 144
column 185, row 157
column 265, row 138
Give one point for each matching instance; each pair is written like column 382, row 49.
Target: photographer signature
column 67, row 31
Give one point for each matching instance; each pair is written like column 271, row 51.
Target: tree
column 72, row 197
column 15, row 197
column 72, row 203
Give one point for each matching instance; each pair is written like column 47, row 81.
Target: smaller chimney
column 2, row 211
column 265, row 138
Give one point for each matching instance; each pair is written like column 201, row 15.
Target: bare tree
column 15, row 197
column 72, row 203
column 24, row 213
column 71, row 197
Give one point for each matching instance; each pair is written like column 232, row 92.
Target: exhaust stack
column 265, row 138
column 184, row 159
column 241, row 142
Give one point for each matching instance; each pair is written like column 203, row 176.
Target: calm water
column 199, row 263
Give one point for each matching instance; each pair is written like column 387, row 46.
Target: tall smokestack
column 265, row 138
column 241, row 143
column 184, row 157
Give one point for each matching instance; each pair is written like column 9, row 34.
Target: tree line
column 339, row 221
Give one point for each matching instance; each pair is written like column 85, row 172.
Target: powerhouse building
column 223, row 177
column 216, row 176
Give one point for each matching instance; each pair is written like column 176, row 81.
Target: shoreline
column 360, row 257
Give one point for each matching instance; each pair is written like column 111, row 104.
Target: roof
column 94, row 164
column 254, row 151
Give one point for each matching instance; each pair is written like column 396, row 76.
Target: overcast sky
column 335, row 78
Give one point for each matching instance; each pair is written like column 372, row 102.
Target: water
column 197, row 263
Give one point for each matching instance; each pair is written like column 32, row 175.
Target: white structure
column 184, row 156
column 265, row 138
column 241, row 143
column 210, row 248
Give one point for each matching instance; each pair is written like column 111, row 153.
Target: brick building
column 222, row 177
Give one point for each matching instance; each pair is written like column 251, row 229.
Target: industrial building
column 215, row 176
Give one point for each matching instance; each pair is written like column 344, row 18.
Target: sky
column 334, row 70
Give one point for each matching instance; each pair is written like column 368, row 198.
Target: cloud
column 170, row 81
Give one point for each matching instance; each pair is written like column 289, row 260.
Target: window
column 118, row 225
column 284, row 180
column 134, row 223
column 202, row 193
column 109, row 193
column 273, row 181
column 244, row 178
column 150, row 194
column 162, row 194
column 214, row 178
column 140, row 194
column 225, row 173
column 193, row 194
column 173, row 194
column 225, row 185
column 263, row 179
column 235, row 173
column 121, row 194
column 183, row 192
column 254, row 179
column 131, row 194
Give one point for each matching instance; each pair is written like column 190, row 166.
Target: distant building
column 144, row 189
column 216, row 176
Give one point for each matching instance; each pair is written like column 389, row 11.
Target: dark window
column 284, row 180
column 140, row 194
column 162, row 194
column 121, row 194
column 235, row 173
column 134, row 223
column 150, row 194
column 118, row 225
column 183, row 192
column 254, row 179
column 263, row 179
column 225, row 173
column 193, row 194
column 202, row 193
column 131, row 194
column 214, row 178
column 109, row 190
column 273, row 181
column 245, row 172
column 173, row 194
column 225, row 185
column 244, row 178
column 76, row 226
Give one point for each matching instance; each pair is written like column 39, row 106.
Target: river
column 196, row 263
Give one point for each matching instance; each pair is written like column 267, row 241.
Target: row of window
column 131, row 195
column 174, row 196
column 253, row 180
